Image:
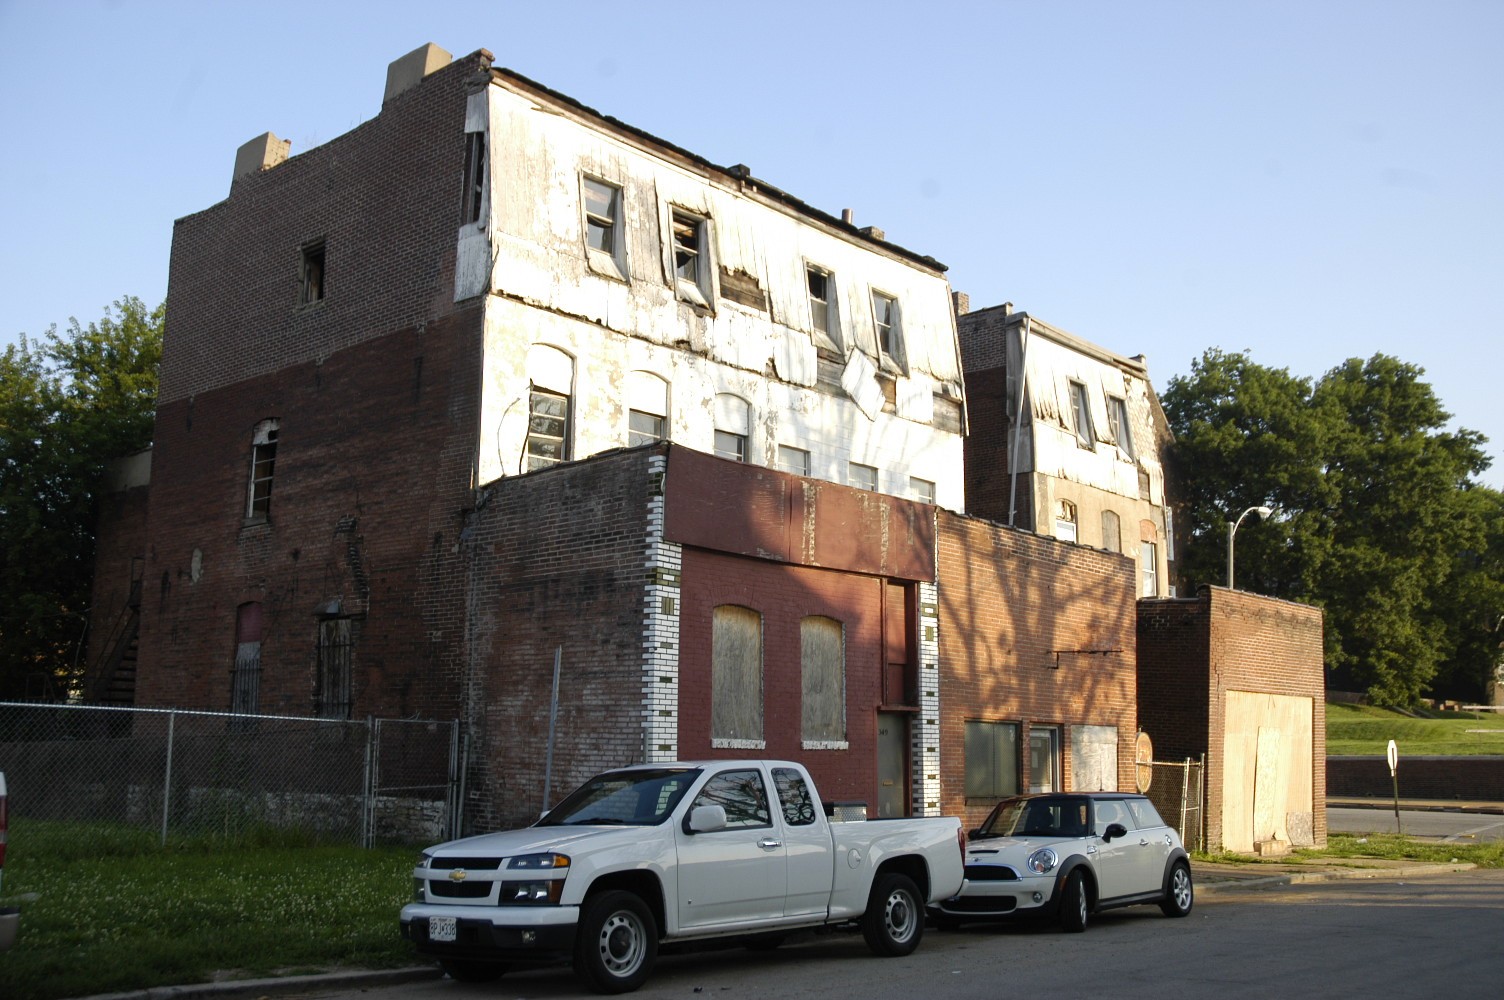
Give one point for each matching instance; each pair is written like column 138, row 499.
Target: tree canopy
column 1378, row 518
column 69, row 404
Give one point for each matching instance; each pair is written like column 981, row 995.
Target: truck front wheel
column 894, row 921
column 616, row 943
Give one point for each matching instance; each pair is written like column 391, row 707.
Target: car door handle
column 768, row 844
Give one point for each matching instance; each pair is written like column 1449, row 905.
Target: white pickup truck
column 675, row 852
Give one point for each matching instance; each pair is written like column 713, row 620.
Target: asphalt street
column 1446, row 825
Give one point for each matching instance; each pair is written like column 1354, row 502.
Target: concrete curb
column 1329, row 875
column 350, row 979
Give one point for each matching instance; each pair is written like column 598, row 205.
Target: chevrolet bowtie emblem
column 458, row 875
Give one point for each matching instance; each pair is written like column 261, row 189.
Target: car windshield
column 623, row 798
column 1037, row 817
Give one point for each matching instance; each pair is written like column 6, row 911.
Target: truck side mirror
column 705, row 819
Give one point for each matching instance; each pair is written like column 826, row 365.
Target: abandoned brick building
column 493, row 378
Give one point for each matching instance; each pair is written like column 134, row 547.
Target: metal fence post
column 368, row 793
column 167, row 777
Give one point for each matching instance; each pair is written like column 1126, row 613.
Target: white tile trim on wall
column 660, row 632
column 926, row 736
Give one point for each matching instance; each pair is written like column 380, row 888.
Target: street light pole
column 1232, row 530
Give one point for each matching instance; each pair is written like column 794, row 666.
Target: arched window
column 736, row 676
column 1065, row 521
column 1112, row 532
column 733, row 426
column 647, row 408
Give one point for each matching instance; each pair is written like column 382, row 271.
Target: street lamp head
column 1232, row 530
column 1264, row 512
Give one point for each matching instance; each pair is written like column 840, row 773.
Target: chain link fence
column 1178, row 791
column 188, row 774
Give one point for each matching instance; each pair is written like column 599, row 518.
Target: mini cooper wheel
column 616, row 943
column 1075, row 903
column 1179, row 894
column 894, row 921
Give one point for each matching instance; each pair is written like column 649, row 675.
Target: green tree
column 1373, row 501
column 69, row 403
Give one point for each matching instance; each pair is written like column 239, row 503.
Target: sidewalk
column 1417, row 805
column 1212, row 876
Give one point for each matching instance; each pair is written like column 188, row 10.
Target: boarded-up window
column 332, row 692
column 823, row 655
column 1112, row 532
column 736, row 674
column 1094, row 758
column 991, row 759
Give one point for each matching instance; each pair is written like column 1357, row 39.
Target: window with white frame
column 551, row 376
column 889, row 331
column 921, row 489
column 1065, row 521
column 863, row 477
column 263, row 464
column 605, row 232
column 1044, row 759
column 1148, row 569
column 1117, row 422
column 823, row 665
column 795, row 460
column 1081, row 415
column 647, row 408
column 991, row 750
column 736, row 677
column 733, row 426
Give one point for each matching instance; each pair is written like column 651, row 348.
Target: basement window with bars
column 245, row 679
column 332, row 695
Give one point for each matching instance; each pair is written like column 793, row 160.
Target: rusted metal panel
column 748, row 510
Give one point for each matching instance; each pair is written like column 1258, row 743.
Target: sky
column 1307, row 182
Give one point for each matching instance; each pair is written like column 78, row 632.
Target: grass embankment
column 1359, row 729
column 106, row 909
column 1489, row 854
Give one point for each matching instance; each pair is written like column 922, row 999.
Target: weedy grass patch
column 106, row 908
column 1360, row 729
column 1488, row 854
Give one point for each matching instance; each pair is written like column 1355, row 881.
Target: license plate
column 442, row 928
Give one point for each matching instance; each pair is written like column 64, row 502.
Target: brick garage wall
column 1193, row 651
column 1009, row 600
column 556, row 559
column 386, row 198
column 1475, row 778
column 783, row 595
column 371, row 481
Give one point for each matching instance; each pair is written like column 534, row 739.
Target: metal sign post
column 1394, row 761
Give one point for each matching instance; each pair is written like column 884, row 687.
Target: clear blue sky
column 1309, row 181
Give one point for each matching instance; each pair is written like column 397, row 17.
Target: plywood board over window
column 1267, row 767
column 736, row 677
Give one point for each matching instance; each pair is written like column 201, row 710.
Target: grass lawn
column 106, row 909
column 1359, row 729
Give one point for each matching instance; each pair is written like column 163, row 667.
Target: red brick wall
column 556, row 559
column 783, row 595
column 372, row 474
column 989, row 491
column 1009, row 600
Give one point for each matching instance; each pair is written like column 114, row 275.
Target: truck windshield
column 623, row 798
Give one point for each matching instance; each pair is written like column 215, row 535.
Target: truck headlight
column 543, row 892
column 1043, row 861
column 538, row 862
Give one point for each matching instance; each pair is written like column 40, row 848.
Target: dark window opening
column 475, row 175
column 263, row 462
column 311, row 275
column 332, row 696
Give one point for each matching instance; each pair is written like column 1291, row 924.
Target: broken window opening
column 602, row 205
column 475, row 176
column 1081, row 415
column 1065, row 521
column 1117, row 422
column 689, row 240
column 311, row 274
column 889, row 334
column 263, row 463
column 819, row 281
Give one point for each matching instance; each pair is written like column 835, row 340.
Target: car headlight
column 1043, row 861
column 538, row 862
